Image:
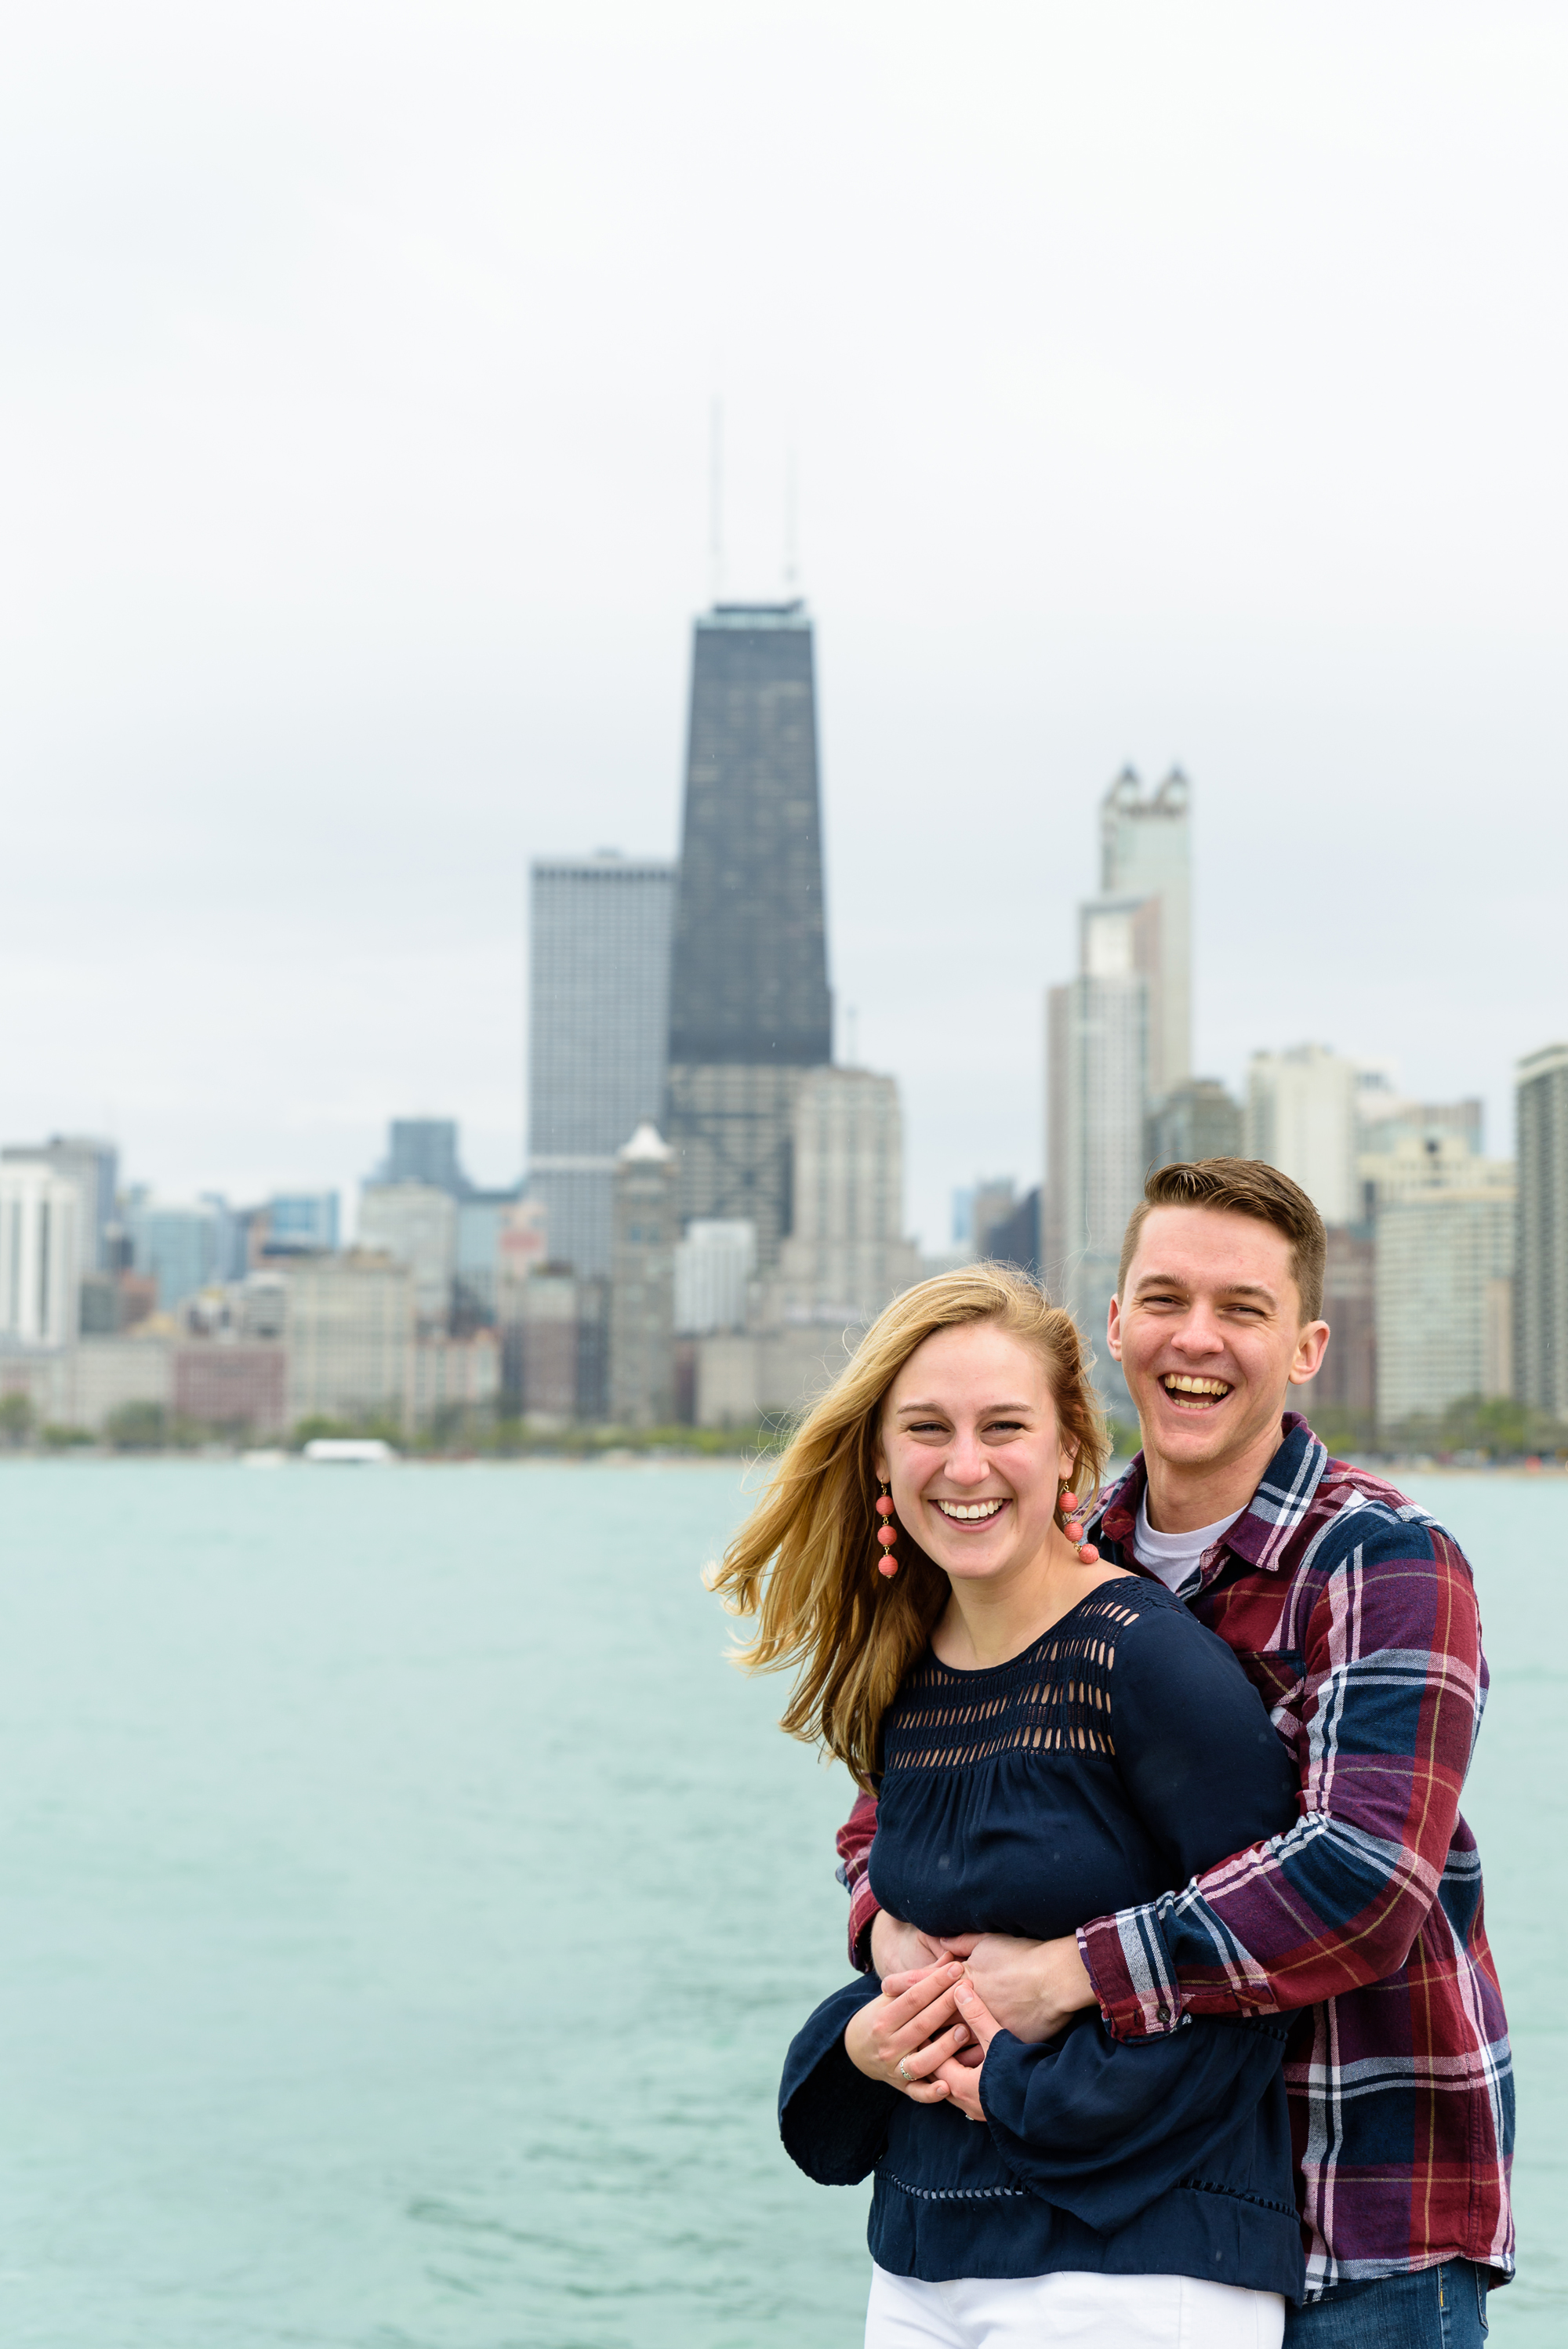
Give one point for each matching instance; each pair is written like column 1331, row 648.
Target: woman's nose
column 966, row 1462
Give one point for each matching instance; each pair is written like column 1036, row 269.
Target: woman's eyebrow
column 943, row 1413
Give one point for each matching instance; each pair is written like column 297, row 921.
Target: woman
column 1051, row 1739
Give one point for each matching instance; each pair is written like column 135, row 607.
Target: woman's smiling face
column 970, row 1446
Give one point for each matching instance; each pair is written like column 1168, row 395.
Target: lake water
column 403, row 1910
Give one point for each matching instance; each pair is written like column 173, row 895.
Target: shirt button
column 1162, row 2013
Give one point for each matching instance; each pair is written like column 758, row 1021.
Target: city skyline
column 332, row 604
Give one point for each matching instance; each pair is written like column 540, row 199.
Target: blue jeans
column 1436, row 2308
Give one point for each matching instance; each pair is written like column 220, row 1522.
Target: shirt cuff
column 864, row 1906
column 1126, row 1960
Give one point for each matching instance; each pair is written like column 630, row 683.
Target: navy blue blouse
column 1120, row 1755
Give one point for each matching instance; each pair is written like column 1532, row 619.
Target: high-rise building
column 180, row 1248
column 350, row 1324
column 643, row 1284
column 1302, row 1118
column 1118, row 1040
column 1347, row 1380
column 415, row 1223
column 1445, row 1292
column 1144, row 854
column 94, row 1167
column 1541, row 1342
column 714, row 1264
column 1017, row 1239
column 1197, row 1119
column 749, row 1006
column 846, row 1255
column 598, row 1027
column 424, row 1150
column 40, row 1259
column 1096, row 1056
column 294, row 1223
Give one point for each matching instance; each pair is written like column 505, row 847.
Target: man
column 1355, row 1614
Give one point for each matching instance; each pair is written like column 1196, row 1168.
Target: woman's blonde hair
column 805, row 1562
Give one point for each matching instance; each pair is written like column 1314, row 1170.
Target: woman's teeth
column 968, row 1510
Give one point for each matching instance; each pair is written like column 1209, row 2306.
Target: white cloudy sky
column 1168, row 383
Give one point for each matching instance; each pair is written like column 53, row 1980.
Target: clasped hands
column 944, row 2000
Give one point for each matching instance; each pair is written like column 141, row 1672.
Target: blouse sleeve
column 832, row 2119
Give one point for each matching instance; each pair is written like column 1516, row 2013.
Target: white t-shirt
column 1174, row 1557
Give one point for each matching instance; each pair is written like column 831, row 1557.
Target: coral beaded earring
column 1072, row 1509
column 887, row 1534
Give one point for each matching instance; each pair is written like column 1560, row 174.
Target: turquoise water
column 403, row 1910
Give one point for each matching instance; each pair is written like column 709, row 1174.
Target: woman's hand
column 905, row 2041
column 961, row 2080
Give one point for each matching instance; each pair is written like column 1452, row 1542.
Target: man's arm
column 1394, row 1693
column 854, row 1840
column 879, row 1944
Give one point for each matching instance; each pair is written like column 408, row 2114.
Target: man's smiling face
column 1209, row 1334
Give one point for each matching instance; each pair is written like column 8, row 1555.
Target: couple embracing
column 1175, row 2023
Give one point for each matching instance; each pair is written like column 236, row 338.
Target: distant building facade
column 642, row 1283
column 1541, row 1343
column 40, row 1254
column 846, row 1255
column 1445, row 1291
column 1097, row 1092
column 714, row 1267
column 1300, row 1117
column 1198, row 1120
column 599, row 994
column 93, row 1165
column 424, row 1150
column 415, row 1225
column 236, row 1388
column 749, row 1006
column 1348, row 1379
column 181, row 1247
column 298, row 1221
column 555, row 1348
column 1145, row 855
column 1015, row 1239
column 351, row 1330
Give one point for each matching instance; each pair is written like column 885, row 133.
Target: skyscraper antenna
column 716, row 498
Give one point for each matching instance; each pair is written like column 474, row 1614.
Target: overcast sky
column 1168, row 383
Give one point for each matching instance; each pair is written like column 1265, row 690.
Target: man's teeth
column 1176, row 1385
column 967, row 1509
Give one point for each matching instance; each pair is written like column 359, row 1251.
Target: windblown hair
column 1240, row 1186
column 805, row 1562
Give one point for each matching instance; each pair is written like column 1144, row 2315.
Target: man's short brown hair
column 1241, row 1187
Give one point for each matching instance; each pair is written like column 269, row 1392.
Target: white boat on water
column 350, row 1452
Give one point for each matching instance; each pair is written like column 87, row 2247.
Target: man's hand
column 1032, row 1989
column 905, row 2041
column 961, row 2074
column 899, row 1948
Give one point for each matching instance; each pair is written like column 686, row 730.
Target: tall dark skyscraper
column 749, row 1006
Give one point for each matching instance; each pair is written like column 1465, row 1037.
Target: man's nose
column 1200, row 1333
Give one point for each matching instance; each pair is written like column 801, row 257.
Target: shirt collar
column 1285, row 1492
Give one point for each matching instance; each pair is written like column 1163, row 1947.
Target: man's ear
column 1310, row 1349
column 1113, row 1330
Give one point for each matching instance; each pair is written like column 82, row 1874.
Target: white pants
column 1070, row 2312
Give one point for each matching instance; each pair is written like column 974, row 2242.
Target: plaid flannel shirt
column 1354, row 1614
